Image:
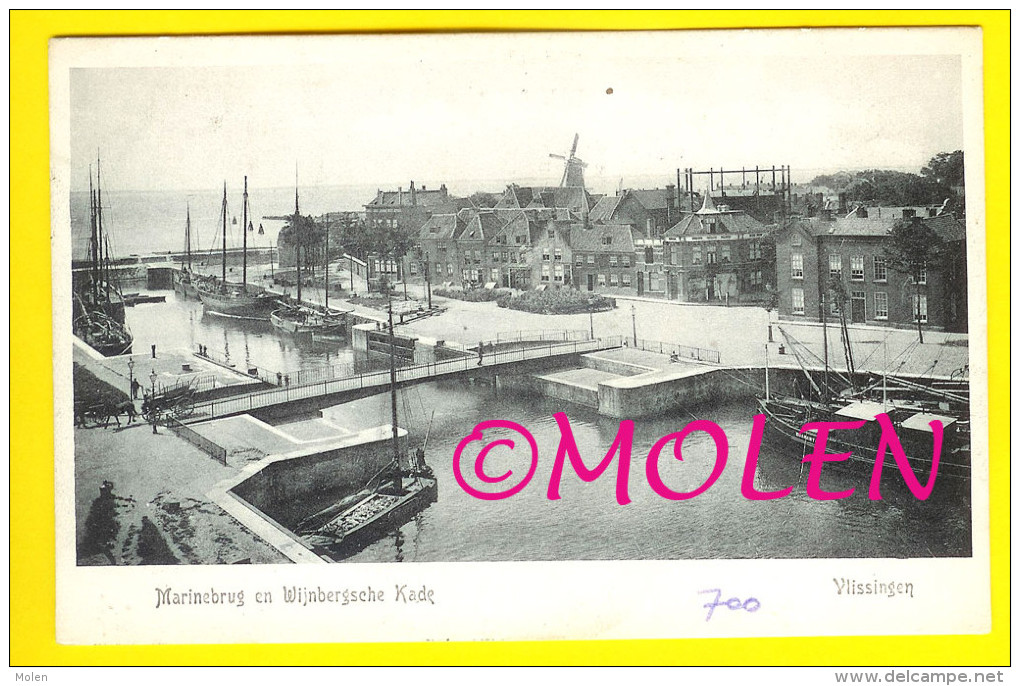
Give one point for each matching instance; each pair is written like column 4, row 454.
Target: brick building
column 853, row 249
column 718, row 254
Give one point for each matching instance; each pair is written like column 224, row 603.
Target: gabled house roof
column 441, row 227
column 730, row 221
column 605, row 208
column 412, row 197
column 602, row 238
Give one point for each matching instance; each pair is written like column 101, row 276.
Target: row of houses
column 655, row 243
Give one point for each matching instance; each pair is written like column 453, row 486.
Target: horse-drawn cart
column 177, row 402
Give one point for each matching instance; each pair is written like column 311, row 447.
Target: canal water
column 586, row 522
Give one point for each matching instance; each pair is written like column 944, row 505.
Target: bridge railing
column 686, row 351
column 543, row 335
column 378, row 379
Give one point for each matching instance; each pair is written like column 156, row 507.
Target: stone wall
column 300, row 483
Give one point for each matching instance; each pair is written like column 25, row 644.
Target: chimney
column 442, row 191
column 909, row 213
column 670, row 199
column 414, row 195
column 400, row 195
column 842, row 204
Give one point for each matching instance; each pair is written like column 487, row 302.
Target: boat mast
column 94, row 241
column 296, row 230
column 766, row 371
column 326, row 270
column 224, row 234
column 244, row 230
column 393, row 378
column 187, row 235
column 103, row 280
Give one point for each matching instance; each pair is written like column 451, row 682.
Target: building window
column 558, row 255
column 835, row 267
column 591, row 259
column 449, row 269
column 545, row 272
column 725, row 252
column 602, row 279
column 695, row 255
column 922, row 277
column 478, row 256
column 754, row 250
column 795, row 239
column 625, row 279
column 754, row 280
column 614, row 280
column 551, row 234
column 857, row 268
column 921, row 308
column 495, row 256
column 545, row 254
column 494, row 275
column 519, row 240
column 607, row 240
column 881, row 274
column 649, row 256
column 626, row 260
column 612, row 260
column 578, row 260
column 881, row 305
column 710, row 254
column 797, row 295
column 467, row 257
column 797, row 266
column 558, row 273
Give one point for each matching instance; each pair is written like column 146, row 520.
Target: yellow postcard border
column 32, row 563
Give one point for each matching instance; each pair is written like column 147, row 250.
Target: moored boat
column 404, row 487
column 238, row 300
column 308, row 321
column 910, row 419
column 98, row 305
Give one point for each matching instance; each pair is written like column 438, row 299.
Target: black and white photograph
column 378, row 305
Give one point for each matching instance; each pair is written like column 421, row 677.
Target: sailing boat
column 186, row 281
column 98, row 317
column 389, row 499
column 233, row 299
column 302, row 319
column 910, row 413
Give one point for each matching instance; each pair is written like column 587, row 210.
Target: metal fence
column 685, row 351
column 217, row 452
column 543, row 335
column 381, row 379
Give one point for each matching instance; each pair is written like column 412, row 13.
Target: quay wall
column 656, row 394
column 550, row 388
column 297, row 484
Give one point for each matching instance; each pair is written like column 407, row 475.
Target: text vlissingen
column 623, row 443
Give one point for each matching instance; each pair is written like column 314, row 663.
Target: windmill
column 573, row 168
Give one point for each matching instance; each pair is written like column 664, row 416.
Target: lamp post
column 633, row 321
column 131, row 376
column 152, row 400
column 591, row 322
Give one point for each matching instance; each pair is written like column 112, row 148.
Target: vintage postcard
column 520, row 336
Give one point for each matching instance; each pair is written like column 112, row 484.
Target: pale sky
column 446, row 108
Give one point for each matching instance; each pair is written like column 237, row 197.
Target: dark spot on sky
column 609, row 91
